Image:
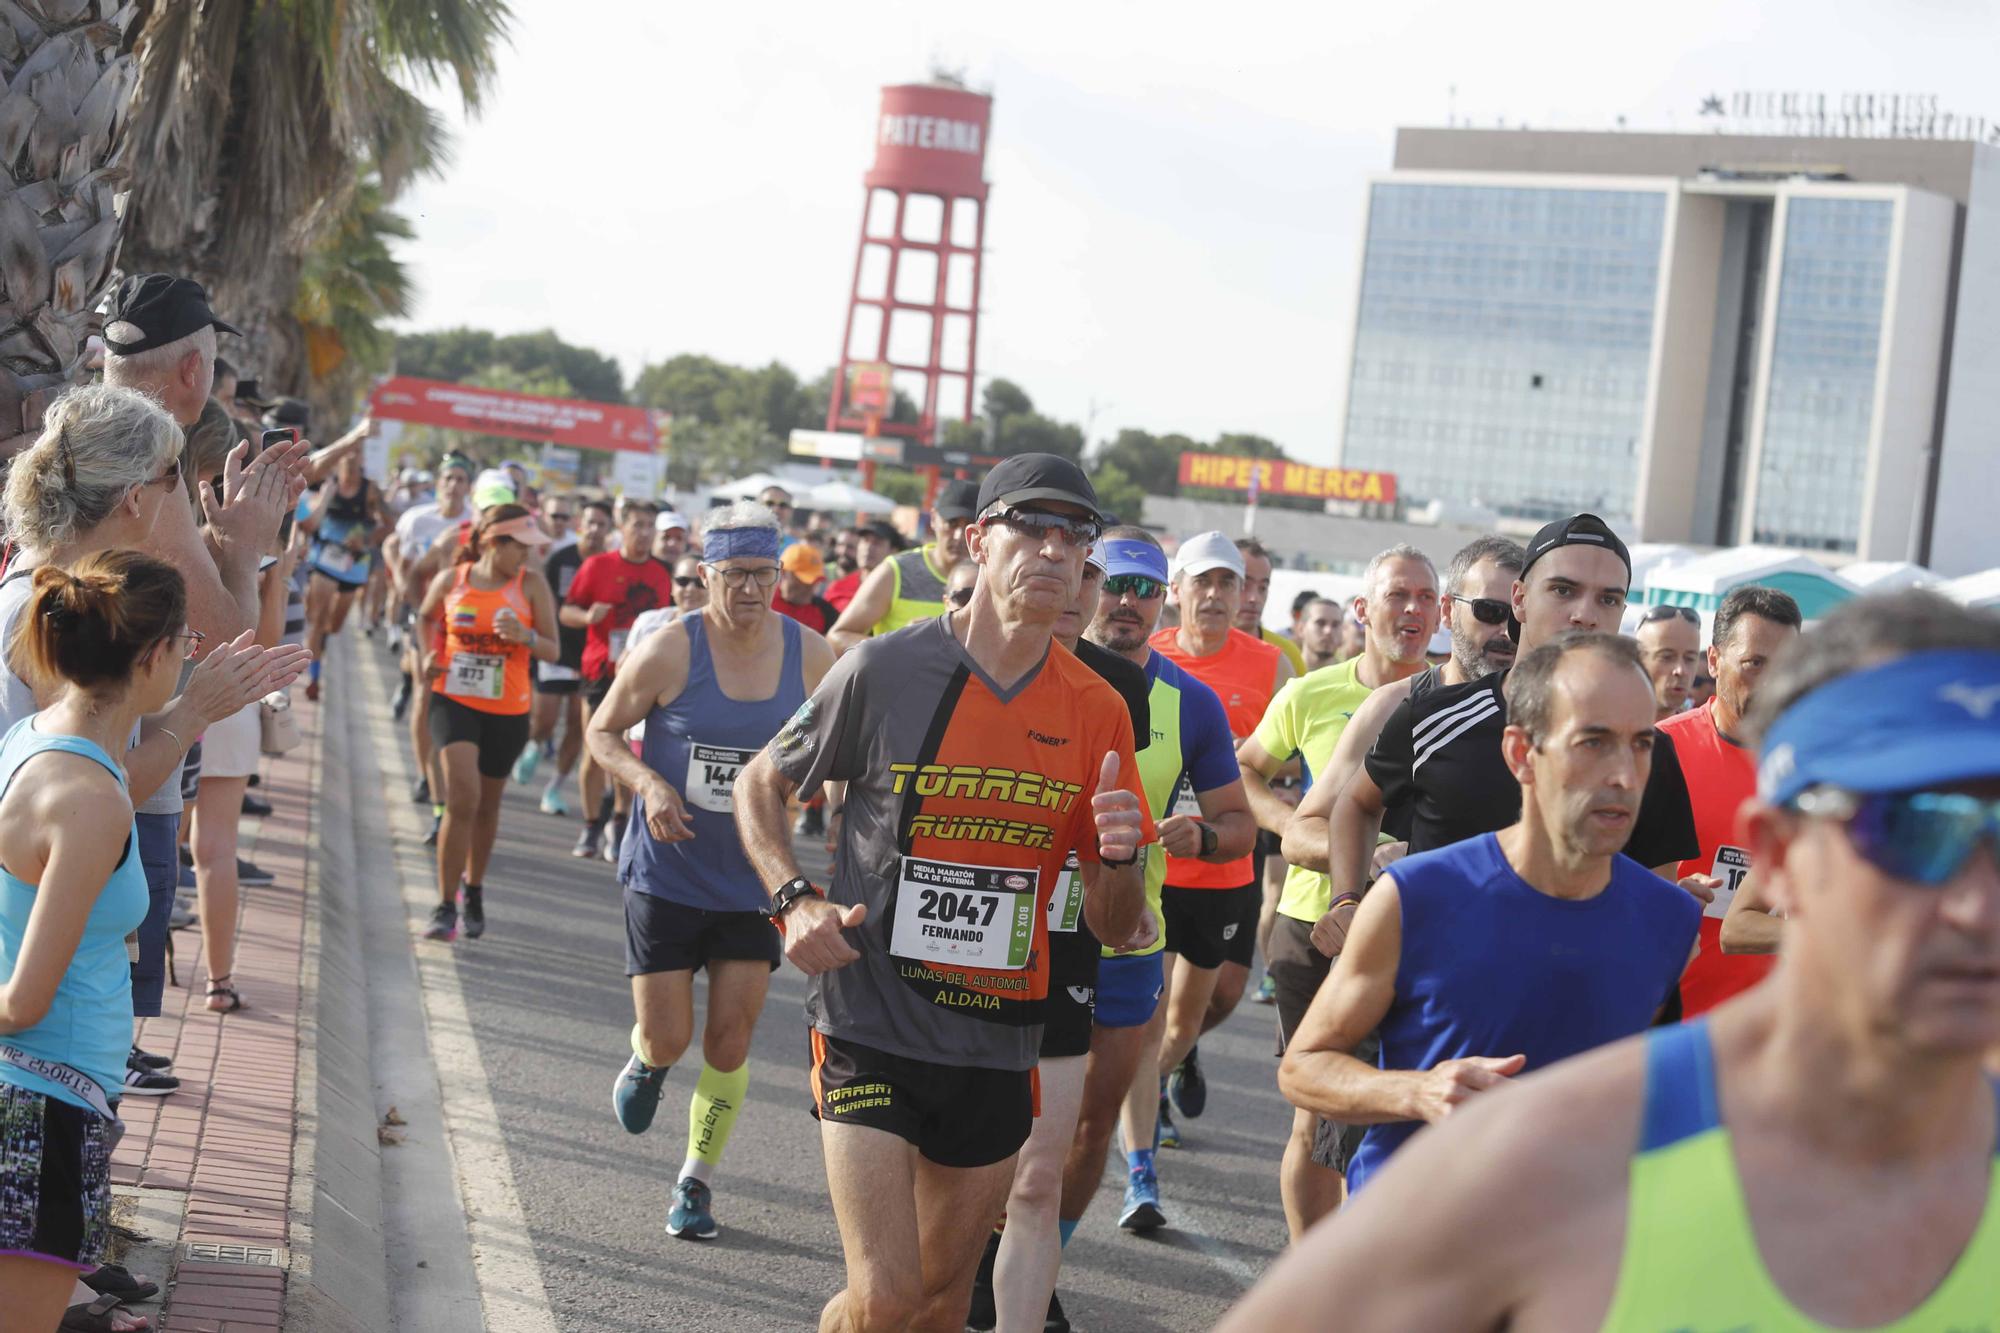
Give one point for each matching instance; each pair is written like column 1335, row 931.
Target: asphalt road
column 548, row 1006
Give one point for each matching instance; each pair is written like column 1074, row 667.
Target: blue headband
column 1926, row 720
column 719, row 544
column 1123, row 555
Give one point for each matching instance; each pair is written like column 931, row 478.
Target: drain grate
column 250, row 1256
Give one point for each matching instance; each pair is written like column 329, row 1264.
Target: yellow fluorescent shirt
column 1306, row 719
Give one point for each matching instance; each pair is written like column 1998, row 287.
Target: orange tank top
column 1242, row 675
column 482, row 670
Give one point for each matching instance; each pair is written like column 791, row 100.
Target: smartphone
column 276, row 435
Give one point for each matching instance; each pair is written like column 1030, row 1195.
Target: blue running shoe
column 689, row 1218
column 636, row 1095
column 553, row 802
column 1267, row 991
column 525, row 766
column 1187, row 1088
column 1142, row 1203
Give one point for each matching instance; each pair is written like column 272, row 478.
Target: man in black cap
column 910, row 587
column 978, row 756
column 1440, row 753
column 873, row 543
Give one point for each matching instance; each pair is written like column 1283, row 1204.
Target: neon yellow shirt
column 1306, row 719
column 1288, row 648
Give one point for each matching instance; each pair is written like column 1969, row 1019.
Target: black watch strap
column 788, row 893
column 1210, row 839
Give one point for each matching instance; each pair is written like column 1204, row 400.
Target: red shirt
column 841, row 591
column 1721, row 776
column 816, row 615
column 1244, row 676
column 632, row 587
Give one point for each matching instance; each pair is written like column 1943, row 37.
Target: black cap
column 162, row 308
column 885, row 531
column 1037, row 477
column 1576, row 530
column 288, row 412
column 958, row 499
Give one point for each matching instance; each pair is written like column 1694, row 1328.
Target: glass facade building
column 1503, row 343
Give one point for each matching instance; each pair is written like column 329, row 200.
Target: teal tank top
column 89, row 1024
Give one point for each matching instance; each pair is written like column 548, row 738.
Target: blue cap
column 1930, row 719
column 1123, row 555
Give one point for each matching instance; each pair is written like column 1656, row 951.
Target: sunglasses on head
column 1925, row 837
column 1039, row 523
column 1489, row 610
column 1141, row 587
column 1655, row 614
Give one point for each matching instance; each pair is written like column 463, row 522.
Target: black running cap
column 1026, row 477
column 958, row 499
column 160, row 309
column 1577, row 530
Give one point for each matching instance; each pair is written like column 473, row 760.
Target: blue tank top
column 89, row 1023
column 699, row 743
column 344, row 514
column 1491, row 967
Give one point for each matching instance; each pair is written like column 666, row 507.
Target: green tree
column 1117, row 493
column 1003, row 399
column 457, row 355
column 352, row 283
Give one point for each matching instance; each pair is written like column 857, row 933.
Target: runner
column 416, row 529
column 670, row 537
column 346, row 520
column 557, row 516
column 1319, row 633
column 109, row 638
column 1256, row 592
column 559, row 684
column 1304, row 722
column 1752, row 627
column 798, row 589
column 873, row 543
column 1670, row 639
column 1211, row 910
column 1512, row 950
column 1191, row 743
column 910, row 587
column 609, row 593
column 692, row 902
column 977, row 755
column 494, row 610
column 1016, row 1280
column 1742, row 1171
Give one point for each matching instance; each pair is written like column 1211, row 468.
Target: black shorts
column 55, row 1177
column 663, row 936
column 1072, row 1005
column 500, row 736
column 595, row 692
column 1268, row 845
column 1210, row 927
column 954, row 1115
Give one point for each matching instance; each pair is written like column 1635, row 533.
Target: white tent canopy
column 841, row 497
column 1719, row 571
column 1981, row 590
column 745, row 488
column 1886, row 575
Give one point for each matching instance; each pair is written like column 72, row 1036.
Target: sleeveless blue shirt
column 89, row 1023
column 1492, row 967
column 699, row 743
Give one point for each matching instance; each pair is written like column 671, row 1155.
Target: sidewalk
column 220, row 1151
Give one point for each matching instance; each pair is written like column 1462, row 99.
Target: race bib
column 617, row 649
column 1066, row 903
column 472, row 676
column 711, row 776
column 335, row 559
column 1731, row 865
column 1185, row 801
column 968, row 916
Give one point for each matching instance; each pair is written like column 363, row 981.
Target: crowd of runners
column 1080, row 804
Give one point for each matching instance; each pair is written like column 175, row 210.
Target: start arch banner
column 571, row 422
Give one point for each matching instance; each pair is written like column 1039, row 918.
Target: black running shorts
column 665, row 936
column 1207, row 926
column 1072, row 1006
column 500, row 736
column 953, row 1114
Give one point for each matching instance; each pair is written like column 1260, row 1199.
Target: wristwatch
column 1209, row 838
column 788, row 893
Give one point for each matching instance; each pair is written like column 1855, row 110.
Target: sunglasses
column 1489, row 610
column 1925, row 837
column 560, row 516
column 736, row 578
column 959, row 597
column 1138, row 585
column 1655, row 614
column 685, row 580
column 1040, row 523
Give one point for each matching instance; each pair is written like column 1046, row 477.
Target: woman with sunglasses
column 106, row 639
column 496, row 612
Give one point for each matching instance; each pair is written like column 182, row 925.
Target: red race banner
column 1271, row 476
column 519, row 416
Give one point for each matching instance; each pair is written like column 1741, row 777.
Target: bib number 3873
column 967, row 916
column 476, row 676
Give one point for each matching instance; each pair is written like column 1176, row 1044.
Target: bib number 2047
column 946, row 906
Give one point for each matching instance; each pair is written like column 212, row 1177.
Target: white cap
column 1205, row 551
column 670, row 519
column 1440, row 642
column 1096, row 558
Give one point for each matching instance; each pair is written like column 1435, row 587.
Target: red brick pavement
column 225, row 1140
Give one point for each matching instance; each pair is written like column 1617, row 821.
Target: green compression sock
column 718, row 1096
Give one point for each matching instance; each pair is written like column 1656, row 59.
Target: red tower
column 913, row 309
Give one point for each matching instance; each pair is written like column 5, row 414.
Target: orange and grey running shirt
column 963, row 800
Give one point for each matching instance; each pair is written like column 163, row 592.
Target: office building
column 1708, row 338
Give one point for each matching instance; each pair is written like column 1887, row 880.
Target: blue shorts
column 1128, row 989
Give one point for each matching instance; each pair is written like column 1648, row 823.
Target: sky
column 1178, row 190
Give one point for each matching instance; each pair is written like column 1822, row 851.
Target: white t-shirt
column 421, row 525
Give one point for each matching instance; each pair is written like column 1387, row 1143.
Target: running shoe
column 636, row 1094
column 1165, row 1133
column 610, row 852
column 437, row 826
column 1142, row 1203
column 401, row 706
column 472, row 905
column 420, row 792
column 982, row 1314
column 689, row 1218
column 158, row 1064
column 255, row 806
column 182, row 917
column 444, row 923
column 395, row 637
column 149, row 1082
column 589, row 842
column 1057, row 1321
column 554, row 804
column 525, row 766
column 1267, row 991
column 249, row 872
column 1187, row 1088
